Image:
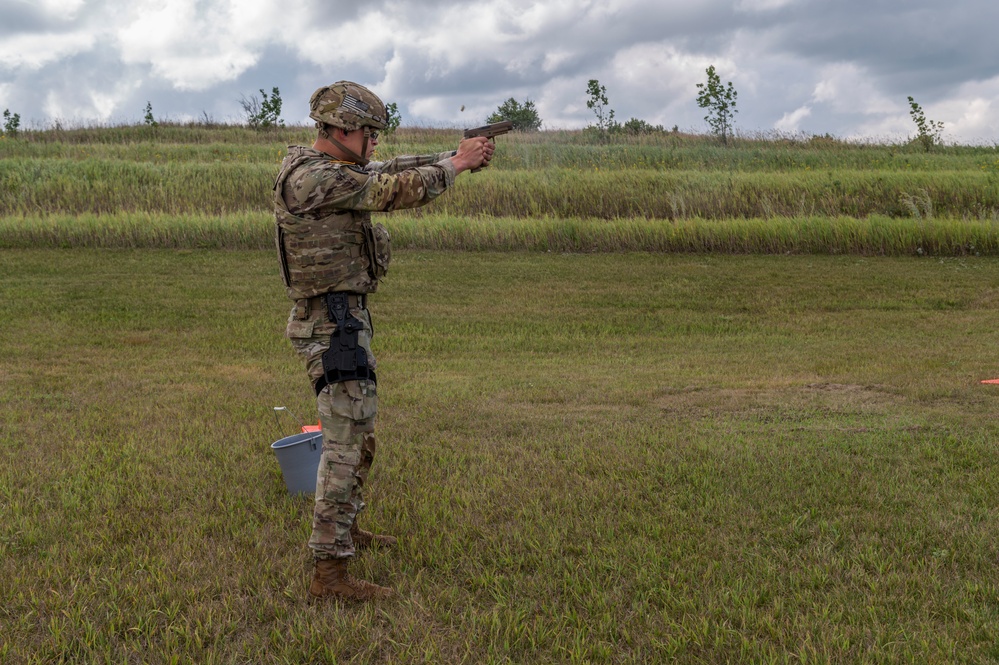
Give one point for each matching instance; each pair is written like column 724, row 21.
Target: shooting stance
column 332, row 257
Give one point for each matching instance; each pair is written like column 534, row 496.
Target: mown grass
column 604, row 458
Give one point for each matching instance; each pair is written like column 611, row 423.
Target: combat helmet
column 348, row 106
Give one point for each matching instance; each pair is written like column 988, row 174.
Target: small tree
column 150, row 120
column 11, row 123
column 930, row 132
column 720, row 102
column 263, row 112
column 523, row 116
column 598, row 104
column 392, row 117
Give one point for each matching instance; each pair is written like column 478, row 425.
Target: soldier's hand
column 473, row 153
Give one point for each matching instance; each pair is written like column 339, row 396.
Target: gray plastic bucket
column 299, row 456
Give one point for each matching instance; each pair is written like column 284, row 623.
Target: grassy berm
column 602, row 458
column 211, row 187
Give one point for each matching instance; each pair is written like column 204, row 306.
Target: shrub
column 523, row 116
column 636, row 126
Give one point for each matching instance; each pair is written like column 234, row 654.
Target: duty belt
column 345, row 360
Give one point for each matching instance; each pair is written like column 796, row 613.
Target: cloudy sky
column 843, row 67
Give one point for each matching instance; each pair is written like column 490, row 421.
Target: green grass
column 876, row 235
column 603, row 458
column 221, row 171
column 97, row 186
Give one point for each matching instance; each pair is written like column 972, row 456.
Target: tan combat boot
column 331, row 580
column 365, row 539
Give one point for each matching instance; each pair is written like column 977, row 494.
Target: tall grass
column 31, row 186
column 219, row 179
column 875, row 235
column 530, row 151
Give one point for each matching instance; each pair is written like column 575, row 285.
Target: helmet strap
column 364, row 144
column 357, row 159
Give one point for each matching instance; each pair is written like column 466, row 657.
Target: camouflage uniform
column 326, row 242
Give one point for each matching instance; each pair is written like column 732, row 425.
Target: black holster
column 345, row 360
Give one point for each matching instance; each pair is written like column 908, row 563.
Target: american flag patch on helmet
column 354, row 104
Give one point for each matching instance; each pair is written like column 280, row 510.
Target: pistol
column 490, row 132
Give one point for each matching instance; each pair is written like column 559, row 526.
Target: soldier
column 332, row 257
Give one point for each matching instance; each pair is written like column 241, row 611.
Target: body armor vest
column 340, row 252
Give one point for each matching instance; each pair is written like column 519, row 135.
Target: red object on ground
column 991, row 381
column 318, row 427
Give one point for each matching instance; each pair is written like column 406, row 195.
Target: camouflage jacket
column 323, row 206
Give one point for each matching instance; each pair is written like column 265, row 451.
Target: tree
column 11, row 123
column 263, row 112
column 523, row 116
column 598, row 103
column 392, row 117
column 720, row 102
column 930, row 132
column 150, row 120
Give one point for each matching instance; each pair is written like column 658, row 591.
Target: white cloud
column 844, row 67
column 562, row 104
column 663, row 77
column 194, row 45
column 533, row 17
column 555, row 59
column 366, row 42
column 33, row 51
column 762, row 5
column 63, row 9
column 847, row 87
column 661, row 67
column 445, row 107
column 790, row 122
column 972, row 114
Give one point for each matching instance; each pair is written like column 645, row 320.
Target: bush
column 523, row 116
column 636, row 126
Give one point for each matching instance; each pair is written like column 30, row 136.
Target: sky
column 800, row 67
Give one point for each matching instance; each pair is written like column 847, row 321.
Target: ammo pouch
column 379, row 249
column 345, row 360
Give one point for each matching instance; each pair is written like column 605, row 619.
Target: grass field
column 223, row 176
column 607, row 458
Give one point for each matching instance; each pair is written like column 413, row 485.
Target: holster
column 345, row 360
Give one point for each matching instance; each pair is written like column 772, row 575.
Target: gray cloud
column 21, row 17
column 799, row 65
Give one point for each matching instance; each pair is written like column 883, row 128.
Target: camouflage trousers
column 347, row 412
